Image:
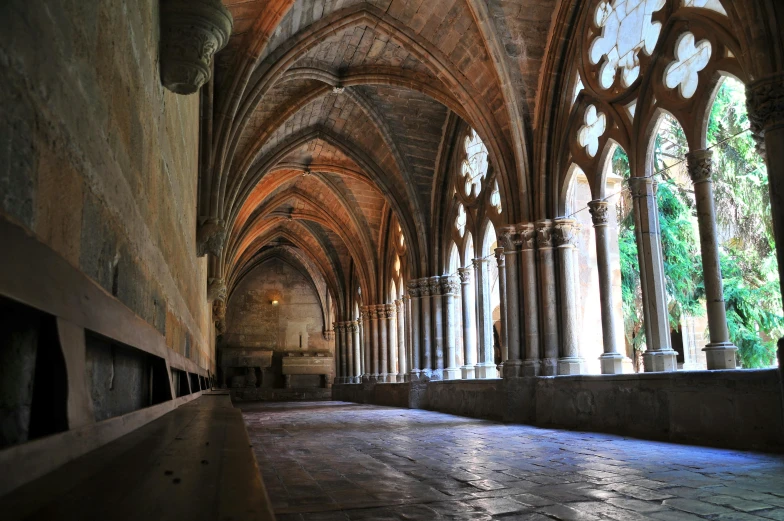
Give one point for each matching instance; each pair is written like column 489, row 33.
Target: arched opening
column 745, row 232
column 452, row 267
column 679, row 242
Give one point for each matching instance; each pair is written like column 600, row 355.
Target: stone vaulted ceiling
column 328, row 120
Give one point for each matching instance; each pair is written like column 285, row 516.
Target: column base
column 512, row 369
column 402, row 377
column 415, row 375
column 612, row 363
column 549, row 367
column 467, row 372
column 531, row 368
column 486, row 371
column 365, row 378
column 721, row 355
column 570, row 365
column 660, row 361
column 435, row 375
column 452, row 373
column 375, row 377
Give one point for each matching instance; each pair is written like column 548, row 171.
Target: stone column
column 391, row 315
column 611, row 360
column 340, row 361
column 415, row 323
column 765, row 104
column 449, row 292
column 486, row 367
column 402, row 368
column 427, row 329
column 513, row 362
column 357, row 374
column 659, row 355
column 500, row 259
column 375, row 342
column 437, row 314
column 383, row 343
column 530, row 301
column 349, row 353
column 549, row 317
column 469, row 326
column 720, row 352
column 570, row 361
column 361, row 346
column 367, row 340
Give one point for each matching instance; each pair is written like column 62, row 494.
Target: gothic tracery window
column 460, row 221
column 495, row 198
column 627, row 30
column 690, row 59
column 589, row 134
column 475, row 163
column 713, row 5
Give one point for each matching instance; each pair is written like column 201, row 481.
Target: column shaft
column 513, row 362
column 391, row 343
column 402, row 368
column 427, row 329
column 486, row 367
column 469, row 326
column 349, row 353
column 415, row 323
column 720, row 352
column 449, row 291
column 611, row 360
column 367, row 340
column 357, row 350
column 570, row 361
column 547, row 278
column 503, row 339
column 437, row 316
column 530, row 302
column 376, row 342
column 659, row 355
column 383, row 344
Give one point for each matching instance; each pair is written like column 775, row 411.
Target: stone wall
column 736, row 409
column 100, row 162
column 255, row 325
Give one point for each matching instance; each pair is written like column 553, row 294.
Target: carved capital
column 599, row 210
column 216, row 289
column 507, row 237
column 424, row 287
column 765, row 105
column 434, row 283
column 210, row 237
column 544, row 234
column 413, row 287
column 641, row 186
column 329, row 335
column 566, row 232
column 700, row 163
column 527, row 234
column 450, row 285
column 500, row 257
column 465, row 275
column 478, row 264
column 399, row 305
column 192, row 31
column 389, row 311
column 353, row 327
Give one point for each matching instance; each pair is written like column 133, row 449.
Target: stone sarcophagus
column 296, row 363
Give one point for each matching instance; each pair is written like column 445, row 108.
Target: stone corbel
column 219, row 315
column 216, row 289
column 210, row 236
column 192, row 31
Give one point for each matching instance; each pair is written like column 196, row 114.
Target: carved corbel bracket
column 192, row 31
column 210, row 236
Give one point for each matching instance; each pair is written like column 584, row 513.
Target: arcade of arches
column 392, row 202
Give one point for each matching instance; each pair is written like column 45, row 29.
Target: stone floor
column 337, row 460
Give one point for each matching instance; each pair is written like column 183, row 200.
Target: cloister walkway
column 338, row 460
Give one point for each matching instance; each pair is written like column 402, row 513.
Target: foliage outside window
column 747, row 254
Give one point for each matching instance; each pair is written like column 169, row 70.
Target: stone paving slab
column 324, row 461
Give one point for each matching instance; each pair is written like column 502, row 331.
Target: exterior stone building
column 396, row 202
